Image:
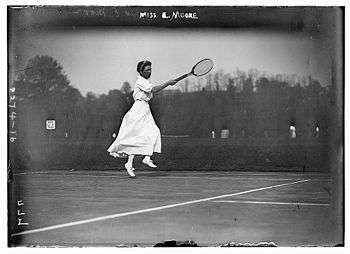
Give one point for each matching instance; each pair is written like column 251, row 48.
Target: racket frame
column 205, row 59
column 192, row 71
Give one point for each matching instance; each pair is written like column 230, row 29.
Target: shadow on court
column 107, row 208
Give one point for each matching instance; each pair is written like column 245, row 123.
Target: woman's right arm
column 156, row 89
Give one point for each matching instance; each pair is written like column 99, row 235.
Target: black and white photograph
column 175, row 126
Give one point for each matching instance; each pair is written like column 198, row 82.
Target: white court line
column 200, row 174
column 174, row 177
column 117, row 174
column 269, row 203
column 31, row 173
column 112, row 216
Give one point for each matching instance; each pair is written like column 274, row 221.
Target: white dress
column 138, row 133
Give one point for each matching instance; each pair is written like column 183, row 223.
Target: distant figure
column 138, row 133
column 317, row 134
column 292, row 132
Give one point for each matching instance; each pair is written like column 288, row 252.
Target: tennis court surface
column 212, row 208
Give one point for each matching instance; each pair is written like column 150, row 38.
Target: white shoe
column 149, row 163
column 130, row 170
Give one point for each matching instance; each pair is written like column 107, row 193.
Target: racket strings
column 203, row 67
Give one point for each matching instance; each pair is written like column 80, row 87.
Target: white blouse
column 142, row 89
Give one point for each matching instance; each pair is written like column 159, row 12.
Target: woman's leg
column 129, row 166
column 130, row 160
column 147, row 160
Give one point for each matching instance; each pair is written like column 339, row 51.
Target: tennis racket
column 199, row 69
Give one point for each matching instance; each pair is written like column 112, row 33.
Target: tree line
column 249, row 105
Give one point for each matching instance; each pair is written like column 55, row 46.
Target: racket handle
column 182, row 77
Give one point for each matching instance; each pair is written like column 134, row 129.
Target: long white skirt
column 138, row 133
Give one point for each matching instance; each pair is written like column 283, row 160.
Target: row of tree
column 237, row 79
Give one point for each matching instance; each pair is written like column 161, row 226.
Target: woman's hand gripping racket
column 199, row 69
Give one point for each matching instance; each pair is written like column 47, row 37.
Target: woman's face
column 147, row 71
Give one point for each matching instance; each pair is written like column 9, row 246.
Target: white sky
column 100, row 60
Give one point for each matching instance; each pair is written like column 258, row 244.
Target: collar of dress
column 142, row 78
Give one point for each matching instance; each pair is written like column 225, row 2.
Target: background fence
column 289, row 130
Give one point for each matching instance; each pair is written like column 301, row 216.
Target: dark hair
column 141, row 65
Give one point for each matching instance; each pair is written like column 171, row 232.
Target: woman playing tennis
column 138, row 133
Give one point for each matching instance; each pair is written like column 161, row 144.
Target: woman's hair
column 141, row 65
